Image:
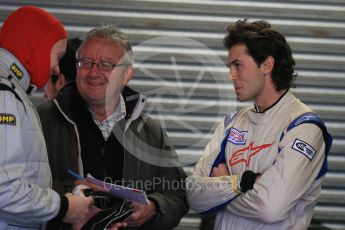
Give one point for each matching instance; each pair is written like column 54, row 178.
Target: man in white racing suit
column 31, row 43
column 264, row 165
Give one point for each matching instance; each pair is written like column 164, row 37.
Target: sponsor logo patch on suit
column 304, row 148
column 7, row 119
column 237, row 137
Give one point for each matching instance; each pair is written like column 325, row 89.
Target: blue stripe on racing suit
column 313, row 118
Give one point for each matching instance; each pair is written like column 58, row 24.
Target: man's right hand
column 78, row 208
column 91, row 185
column 220, row 170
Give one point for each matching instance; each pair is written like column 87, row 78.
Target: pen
column 75, row 175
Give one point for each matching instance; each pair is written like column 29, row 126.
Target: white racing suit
column 287, row 144
column 26, row 200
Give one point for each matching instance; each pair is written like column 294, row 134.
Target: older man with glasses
column 97, row 126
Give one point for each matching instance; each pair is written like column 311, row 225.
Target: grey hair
column 114, row 34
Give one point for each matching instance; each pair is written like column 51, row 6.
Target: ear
column 267, row 65
column 129, row 73
column 61, row 81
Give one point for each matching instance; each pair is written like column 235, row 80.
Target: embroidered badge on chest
column 7, row 119
column 237, row 137
column 304, row 148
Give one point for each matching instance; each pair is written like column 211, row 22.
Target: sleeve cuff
column 157, row 211
column 236, row 180
column 63, row 208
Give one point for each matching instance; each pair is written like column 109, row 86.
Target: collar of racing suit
column 15, row 69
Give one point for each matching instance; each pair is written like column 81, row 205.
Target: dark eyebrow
column 236, row 60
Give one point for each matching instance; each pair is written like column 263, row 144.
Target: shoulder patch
column 237, row 137
column 16, row 71
column 7, row 119
column 304, row 148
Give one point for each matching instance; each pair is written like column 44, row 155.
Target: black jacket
column 149, row 162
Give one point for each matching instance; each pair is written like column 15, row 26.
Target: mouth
column 237, row 88
column 95, row 83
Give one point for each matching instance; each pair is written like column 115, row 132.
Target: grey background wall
column 180, row 64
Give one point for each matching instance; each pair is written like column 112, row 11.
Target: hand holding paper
column 123, row 192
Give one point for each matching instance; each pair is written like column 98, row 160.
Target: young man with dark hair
column 264, row 166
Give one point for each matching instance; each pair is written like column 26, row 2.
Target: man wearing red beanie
column 31, row 43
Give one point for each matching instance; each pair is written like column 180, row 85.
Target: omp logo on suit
column 7, row 119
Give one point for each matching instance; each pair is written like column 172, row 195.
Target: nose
column 91, row 72
column 56, row 70
column 93, row 68
column 232, row 75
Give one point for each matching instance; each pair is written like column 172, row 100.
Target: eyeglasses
column 105, row 66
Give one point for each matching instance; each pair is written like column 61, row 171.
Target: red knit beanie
column 29, row 33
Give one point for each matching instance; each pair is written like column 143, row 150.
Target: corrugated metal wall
column 180, row 65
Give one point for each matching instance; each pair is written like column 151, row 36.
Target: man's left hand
column 142, row 214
